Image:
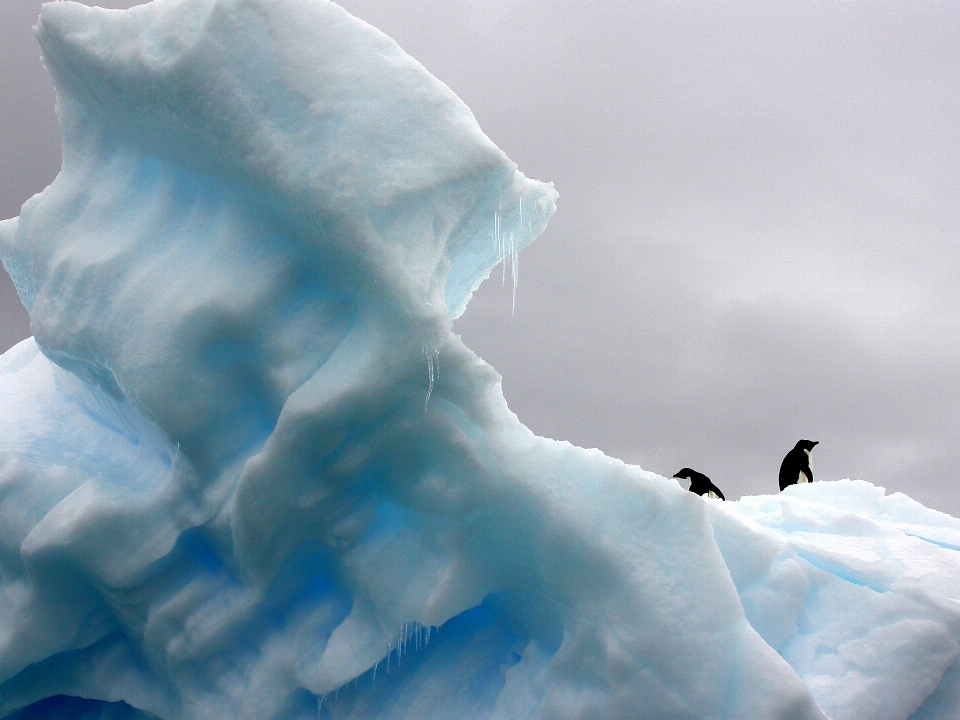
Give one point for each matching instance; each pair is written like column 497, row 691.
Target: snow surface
column 247, row 470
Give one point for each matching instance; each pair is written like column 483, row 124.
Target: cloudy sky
column 758, row 234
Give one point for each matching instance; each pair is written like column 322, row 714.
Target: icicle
column 514, row 275
column 497, row 244
column 506, row 247
column 433, row 369
column 515, row 258
column 427, row 642
column 501, row 251
column 430, row 381
column 375, row 672
column 319, row 704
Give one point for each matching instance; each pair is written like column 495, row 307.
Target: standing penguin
column 700, row 483
column 797, row 466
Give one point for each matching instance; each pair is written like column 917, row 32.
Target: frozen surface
column 247, row 471
column 858, row 591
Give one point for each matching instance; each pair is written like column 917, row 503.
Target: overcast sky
column 758, row 232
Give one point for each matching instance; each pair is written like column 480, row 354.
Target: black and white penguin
column 797, row 466
column 700, row 483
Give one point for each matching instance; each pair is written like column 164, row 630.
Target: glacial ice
column 248, row 471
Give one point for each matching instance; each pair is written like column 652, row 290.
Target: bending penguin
column 797, row 466
column 700, row 483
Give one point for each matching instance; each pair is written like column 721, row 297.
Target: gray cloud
column 757, row 236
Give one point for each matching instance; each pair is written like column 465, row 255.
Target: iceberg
column 247, row 470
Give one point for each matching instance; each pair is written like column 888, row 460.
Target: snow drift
column 247, row 470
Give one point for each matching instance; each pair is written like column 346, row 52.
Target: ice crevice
column 235, row 484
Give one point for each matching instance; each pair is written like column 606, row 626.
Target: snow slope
column 247, row 470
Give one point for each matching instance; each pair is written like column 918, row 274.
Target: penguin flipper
column 790, row 469
column 785, row 479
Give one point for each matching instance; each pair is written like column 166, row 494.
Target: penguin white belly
column 713, row 495
column 804, row 478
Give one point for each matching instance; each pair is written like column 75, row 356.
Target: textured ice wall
column 858, row 591
column 247, row 471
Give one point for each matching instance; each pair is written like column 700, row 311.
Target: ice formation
column 248, row 471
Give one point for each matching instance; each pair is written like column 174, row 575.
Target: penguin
column 700, row 483
column 797, row 466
